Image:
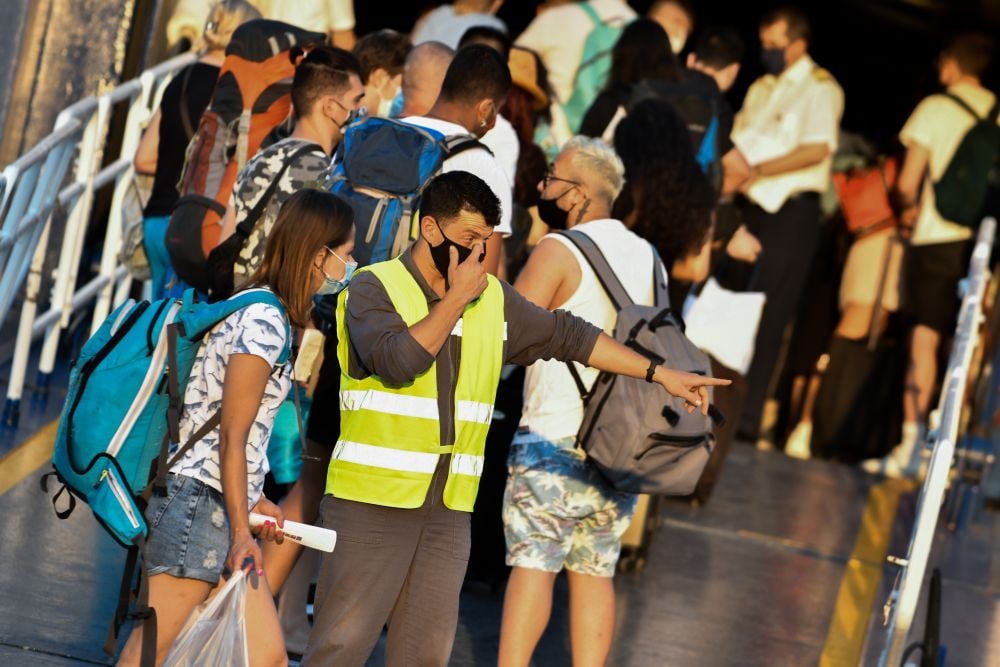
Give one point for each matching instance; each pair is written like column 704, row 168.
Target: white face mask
column 677, row 42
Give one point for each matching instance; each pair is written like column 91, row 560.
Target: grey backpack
column 640, row 438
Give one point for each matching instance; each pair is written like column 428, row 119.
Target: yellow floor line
column 28, row 458
column 845, row 639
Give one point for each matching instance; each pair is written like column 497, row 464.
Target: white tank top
column 552, row 404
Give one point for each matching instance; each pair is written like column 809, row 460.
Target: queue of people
column 656, row 167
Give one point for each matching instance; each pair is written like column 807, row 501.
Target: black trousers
column 789, row 239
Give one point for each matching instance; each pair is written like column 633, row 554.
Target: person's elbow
column 144, row 164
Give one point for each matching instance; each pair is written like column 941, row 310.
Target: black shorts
column 324, row 416
column 931, row 277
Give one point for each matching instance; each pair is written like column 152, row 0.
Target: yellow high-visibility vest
column 390, row 435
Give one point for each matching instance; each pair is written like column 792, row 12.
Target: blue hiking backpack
column 385, row 165
column 123, row 409
column 595, row 64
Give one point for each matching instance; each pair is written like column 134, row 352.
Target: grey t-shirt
column 381, row 343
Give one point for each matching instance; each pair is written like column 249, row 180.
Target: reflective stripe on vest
column 389, row 443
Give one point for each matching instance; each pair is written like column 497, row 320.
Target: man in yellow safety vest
column 422, row 340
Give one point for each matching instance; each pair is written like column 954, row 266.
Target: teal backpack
column 123, row 409
column 594, row 65
column 122, row 412
column 970, row 186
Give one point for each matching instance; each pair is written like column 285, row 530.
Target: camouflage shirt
column 251, row 184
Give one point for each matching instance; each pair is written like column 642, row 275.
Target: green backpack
column 970, row 186
column 594, row 65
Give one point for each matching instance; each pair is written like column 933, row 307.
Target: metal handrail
column 35, row 185
column 967, row 337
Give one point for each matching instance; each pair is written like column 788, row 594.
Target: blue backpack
column 385, row 165
column 123, row 409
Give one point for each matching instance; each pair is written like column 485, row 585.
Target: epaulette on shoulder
column 820, row 74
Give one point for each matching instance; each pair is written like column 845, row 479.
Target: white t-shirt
column 502, row 140
column 780, row 113
column 557, row 35
column 939, row 124
column 445, row 26
column 552, row 404
column 259, row 329
column 475, row 161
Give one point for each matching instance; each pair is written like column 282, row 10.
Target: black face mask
column 551, row 214
column 442, row 255
column 773, row 61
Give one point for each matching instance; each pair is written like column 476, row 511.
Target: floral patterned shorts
column 559, row 512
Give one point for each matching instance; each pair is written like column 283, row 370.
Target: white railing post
column 138, row 116
column 967, row 336
column 31, row 195
column 88, row 160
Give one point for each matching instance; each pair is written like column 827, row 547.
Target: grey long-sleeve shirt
column 381, row 343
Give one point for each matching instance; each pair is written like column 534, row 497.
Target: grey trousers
column 401, row 567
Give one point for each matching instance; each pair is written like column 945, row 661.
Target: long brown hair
column 308, row 220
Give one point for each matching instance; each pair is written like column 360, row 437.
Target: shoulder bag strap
column 246, row 226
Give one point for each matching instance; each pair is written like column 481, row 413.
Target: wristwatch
column 651, row 370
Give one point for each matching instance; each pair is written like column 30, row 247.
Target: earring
column 482, row 123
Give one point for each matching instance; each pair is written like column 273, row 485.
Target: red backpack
column 251, row 97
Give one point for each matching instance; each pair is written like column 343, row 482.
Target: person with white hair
column 550, row 484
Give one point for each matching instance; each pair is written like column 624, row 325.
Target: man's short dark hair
column 452, row 192
column 973, row 51
column 794, row 18
column 719, row 47
column 476, row 73
column 385, row 49
column 489, row 36
column 326, row 70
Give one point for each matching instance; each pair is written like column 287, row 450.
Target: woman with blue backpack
column 200, row 528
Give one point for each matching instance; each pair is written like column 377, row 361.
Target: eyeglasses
column 352, row 114
column 549, row 177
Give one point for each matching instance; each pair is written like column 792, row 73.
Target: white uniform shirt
column 939, row 124
column 801, row 106
column 474, row 161
column 557, row 35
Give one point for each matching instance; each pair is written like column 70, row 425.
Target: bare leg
column 921, row 374
column 591, row 618
column 526, row 609
column 264, row 639
column 302, row 505
column 173, row 598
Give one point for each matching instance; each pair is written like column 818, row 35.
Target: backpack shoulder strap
column 962, row 103
column 459, row 143
column 246, row 226
column 599, row 263
column 660, row 294
column 591, row 13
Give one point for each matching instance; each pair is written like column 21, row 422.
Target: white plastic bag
column 724, row 324
column 215, row 633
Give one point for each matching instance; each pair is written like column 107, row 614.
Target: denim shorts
column 188, row 531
